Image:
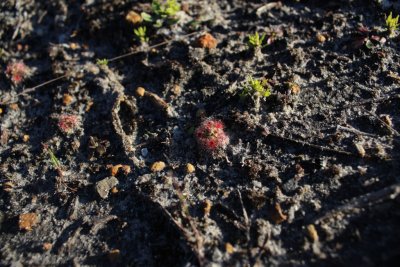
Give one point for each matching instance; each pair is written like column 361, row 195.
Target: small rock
column 14, row 106
column 27, row 221
column 176, row 90
column 47, row 246
column 144, row 152
column 294, row 88
column 190, row 168
column 67, row 99
column 133, row 17
column 360, row 149
column 157, row 166
column 278, row 216
column 312, row 233
column 25, row 138
column 114, row 190
column 8, row 186
column 207, row 207
column 127, row 169
column 320, row 38
column 387, row 119
column 207, row 41
column 104, row 186
column 229, row 248
column 140, row 91
column 73, row 46
column 114, row 169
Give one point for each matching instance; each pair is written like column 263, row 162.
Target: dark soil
column 310, row 176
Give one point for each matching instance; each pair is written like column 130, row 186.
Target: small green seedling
column 141, row 34
column 167, row 9
column 256, row 41
column 258, row 86
column 161, row 12
column 392, row 24
column 53, row 159
column 102, row 62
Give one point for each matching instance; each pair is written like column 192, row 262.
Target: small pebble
column 176, row 90
column 294, row 88
column 114, row 190
column 8, row 186
column 360, row 149
column 207, row 207
column 25, row 138
column 47, row 246
column 320, row 38
column 14, row 106
column 144, row 152
column 89, row 105
column 387, row 120
column 312, row 233
column 140, row 91
column 67, row 99
column 104, row 186
column 127, row 169
column 229, row 248
column 114, row 169
column 27, row 221
column 207, row 41
column 73, row 46
column 133, row 17
column 157, row 166
column 190, row 168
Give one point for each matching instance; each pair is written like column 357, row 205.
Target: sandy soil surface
column 165, row 155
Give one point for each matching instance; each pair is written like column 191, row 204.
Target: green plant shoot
column 392, row 24
column 53, row 159
column 102, row 62
column 256, row 41
column 257, row 86
column 162, row 12
column 167, row 9
column 141, row 34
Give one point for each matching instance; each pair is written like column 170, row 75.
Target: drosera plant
column 17, row 72
column 392, row 24
column 211, row 136
column 162, row 11
column 140, row 33
column 68, row 123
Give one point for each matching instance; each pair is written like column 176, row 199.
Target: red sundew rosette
column 210, row 135
column 68, row 123
column 17, row 72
